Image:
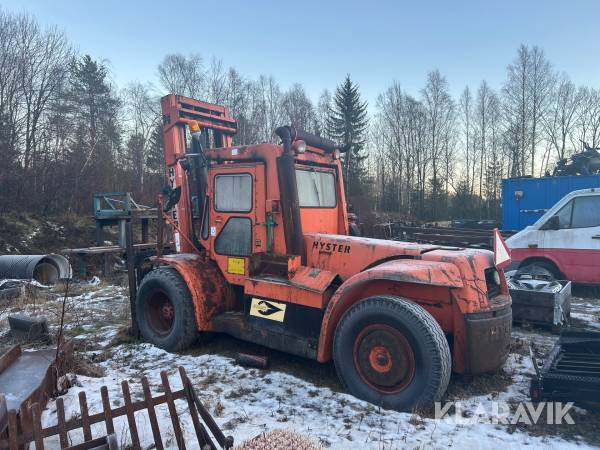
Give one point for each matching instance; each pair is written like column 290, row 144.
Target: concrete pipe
column 45, row 269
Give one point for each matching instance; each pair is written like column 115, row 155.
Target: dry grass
column 279, row 440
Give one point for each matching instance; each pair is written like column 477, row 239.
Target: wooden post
column 131, row 277
column 110, row 428
column 135, row 440
column 3, row 413
column 172, row 411
column 37, row 426
column 62, row 429
column 152, row 415
column 123, row 232
column 85, row 417
column 13, row 429
column 201, row 433
column 82, row 264
column 145, row 224
column 106, row 264
column 99, row 233
column 160, row 227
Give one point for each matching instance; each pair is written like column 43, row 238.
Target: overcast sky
column 317, row 42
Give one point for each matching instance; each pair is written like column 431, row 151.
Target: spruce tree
column 347, row 123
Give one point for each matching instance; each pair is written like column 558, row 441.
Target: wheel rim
column 384, row 358
column 160, row 313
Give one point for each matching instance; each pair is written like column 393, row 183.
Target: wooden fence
column 18, row 437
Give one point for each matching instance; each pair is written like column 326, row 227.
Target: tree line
column 67, row 130
column 434, row 156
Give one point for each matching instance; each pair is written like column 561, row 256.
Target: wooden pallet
column 17, row 438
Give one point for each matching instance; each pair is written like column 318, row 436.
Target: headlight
column 299, row 146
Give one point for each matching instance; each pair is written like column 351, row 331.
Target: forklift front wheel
column 165, row 312
column 391, row 352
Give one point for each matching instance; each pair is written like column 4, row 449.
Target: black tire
column 165, row 311
column 540, row 268
column 412, row 372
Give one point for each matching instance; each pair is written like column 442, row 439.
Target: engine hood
column 348, row 255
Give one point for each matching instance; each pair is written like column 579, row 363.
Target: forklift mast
column 218, row 130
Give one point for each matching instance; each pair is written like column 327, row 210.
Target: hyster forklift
column 263, row 252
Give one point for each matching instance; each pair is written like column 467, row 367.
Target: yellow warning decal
column 267, row 309
column 236, row 266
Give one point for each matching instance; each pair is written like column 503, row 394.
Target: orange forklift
column 264, row 253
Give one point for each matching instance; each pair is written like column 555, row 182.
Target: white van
column 565, row 241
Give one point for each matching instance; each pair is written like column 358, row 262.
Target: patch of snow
column 252, row 401
column 246, row 402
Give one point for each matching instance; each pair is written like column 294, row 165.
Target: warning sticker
column 267, row 309
column 236, row 266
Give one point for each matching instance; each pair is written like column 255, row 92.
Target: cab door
column 575, row 245
column 237, row 217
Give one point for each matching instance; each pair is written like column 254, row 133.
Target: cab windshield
column 316, row 188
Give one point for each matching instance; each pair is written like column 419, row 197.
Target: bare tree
column 298, row 108
column 182, row 75
column 216, row 82
column 392, row 122
column 562, row 115
column 440, row 112
column 323, row 110
column 10, row 94
column 272, row 100
column 466, row 114
column 588, row 119
column 44, row 57
column 540, row 84
column 517, row 107
column 484, row 97
column 142, row 115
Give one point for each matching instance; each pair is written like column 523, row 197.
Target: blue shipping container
column 525, row 200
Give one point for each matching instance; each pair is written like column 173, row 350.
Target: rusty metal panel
column 312, row 278
column 415, row 271
column 210, row 291
column 307, row 291
column 488, row 337
column 348, row 255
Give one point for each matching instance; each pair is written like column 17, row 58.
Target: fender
column 209, row 289
column 524, row 256
column 415, row 272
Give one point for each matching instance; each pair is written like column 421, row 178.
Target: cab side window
column 586, row 212
column 233, row 192
column 564, row 216
column 235, row 239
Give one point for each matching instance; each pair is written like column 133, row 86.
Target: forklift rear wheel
column 165, row 312
column 391, row 352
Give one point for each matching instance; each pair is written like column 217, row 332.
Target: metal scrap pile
column 538, row 298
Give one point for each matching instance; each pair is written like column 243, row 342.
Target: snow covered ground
column 246, row 402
